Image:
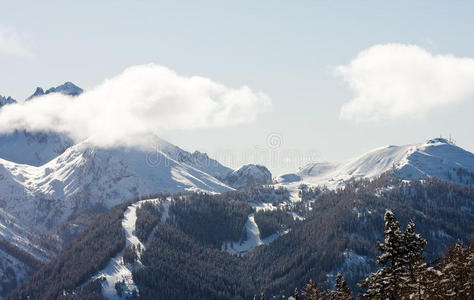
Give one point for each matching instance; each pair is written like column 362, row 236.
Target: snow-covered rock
column 248, row 175
column 84, row 177
column 437, row 157
column 34, row 149
column 6, row 100
column 68, row 88
column 287, row 178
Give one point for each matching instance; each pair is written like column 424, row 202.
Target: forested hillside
column 183, row 257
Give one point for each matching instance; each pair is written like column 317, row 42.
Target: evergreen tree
column 386, row 282
column 457, row 273
column 414, row 283
column 313, row 292
column 296, row 294
column 342, row 291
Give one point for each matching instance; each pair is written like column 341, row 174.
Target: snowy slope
column 434, row 158
column 33, row 148
column 198, row 160
column 84, row 177
column 17, row 242
column 116, row 270
column 36, row 148
column 22, row 236
column 248, row 175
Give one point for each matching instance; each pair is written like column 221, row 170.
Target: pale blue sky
column 287, row 49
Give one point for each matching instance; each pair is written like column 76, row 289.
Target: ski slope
column 116, row 270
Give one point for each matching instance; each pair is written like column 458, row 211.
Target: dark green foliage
column 352, row 219
column 130, row 255
column 312, row 291
column 91, row 291
column 265, row 194
column 21, row 255
column 81, row 259
column 178, row 267
column 182, row 262
column 387, row 282
column 455, row 277
column 273, row 221
column 209, row 219
column 119, row 288
column 148, row 215
column 405, row 275
column 341, row 290
column 307, row 193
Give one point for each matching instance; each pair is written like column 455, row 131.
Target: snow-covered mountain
column 68, row 88
column 36, row 148
column 248, row 175
column 85, row 177
column 22, row 250
column 437, row 157
column 6, row 100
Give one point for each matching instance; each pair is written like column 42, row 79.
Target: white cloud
column 395, row 80
column 141, row 101
column 11, row 44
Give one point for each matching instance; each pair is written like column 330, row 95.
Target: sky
column 291, row 82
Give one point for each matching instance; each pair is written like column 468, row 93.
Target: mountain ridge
column 436, row 157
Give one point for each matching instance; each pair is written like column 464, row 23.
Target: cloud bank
column 11, row 44
column 395, row 80
column 140, row 102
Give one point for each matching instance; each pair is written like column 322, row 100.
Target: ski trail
column 116, row 270
column 253, row 239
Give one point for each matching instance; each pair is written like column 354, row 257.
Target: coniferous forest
column 375, row 239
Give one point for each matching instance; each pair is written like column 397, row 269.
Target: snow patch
column 116, row 270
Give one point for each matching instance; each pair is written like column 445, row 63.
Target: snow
column 353, row 263
column 248, row 175
column 434, row 158
column 47, row 195
column 264, row 206
column 23, row 237
column 297, row 217
column 116, row 270
column 33, row 149
column 68, row 88
column 13, row 270
column 253, row 239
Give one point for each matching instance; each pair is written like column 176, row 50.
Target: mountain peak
column 440, row 140
column 249, row 175
column 68, row 88
column 437, row 157
column 6, row 100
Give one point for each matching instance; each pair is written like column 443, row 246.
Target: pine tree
column 386, row 282
column 416, row 266
column 342, row 291
column 296, row 294
column 312, row 291
column 457, row 273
